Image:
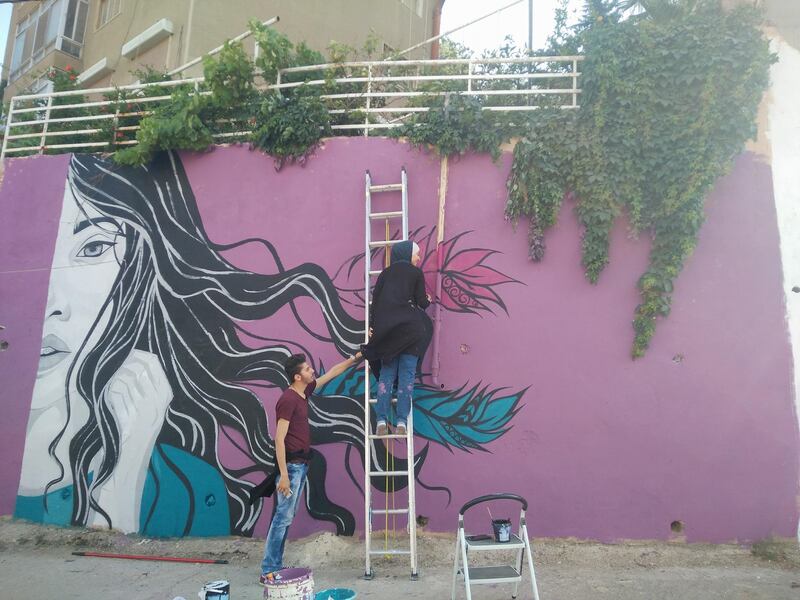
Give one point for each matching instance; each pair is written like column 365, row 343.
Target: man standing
column 292, row 451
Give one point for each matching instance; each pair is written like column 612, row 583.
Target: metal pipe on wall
column 437, row 311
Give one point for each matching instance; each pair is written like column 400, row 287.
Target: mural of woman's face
column 88, row 252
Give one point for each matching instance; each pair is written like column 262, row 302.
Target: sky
column 486, row 34
column 490, row 32
column 5, row 21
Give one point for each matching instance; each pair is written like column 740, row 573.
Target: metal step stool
column 494, row 574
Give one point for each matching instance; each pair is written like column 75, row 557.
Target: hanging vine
column 669, row 99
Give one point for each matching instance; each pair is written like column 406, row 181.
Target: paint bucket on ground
column 502, row 530
column 336, row 594
column 290, row 584
column 216, row 590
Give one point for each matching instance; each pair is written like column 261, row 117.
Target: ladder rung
column 386, row 215
column 372, row 273
column 389, row 511
column 375, row 400
column 388, row 473
column 390, row 187
column 384, row 243
column 392, row 551
column 390, row 436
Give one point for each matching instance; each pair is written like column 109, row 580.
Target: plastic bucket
column 216, row 590
column 502, row 530
column 290, row 584
column 336, row 594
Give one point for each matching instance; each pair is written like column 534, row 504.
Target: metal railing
column 365, row 97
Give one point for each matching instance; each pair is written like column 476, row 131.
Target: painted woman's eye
column 95, row 248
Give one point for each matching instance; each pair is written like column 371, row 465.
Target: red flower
column 68, row 68
column 466, row 281
column 72, row 77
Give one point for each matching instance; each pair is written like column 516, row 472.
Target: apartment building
column 105, row 40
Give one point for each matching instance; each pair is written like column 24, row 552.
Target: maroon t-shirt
column 294, row 408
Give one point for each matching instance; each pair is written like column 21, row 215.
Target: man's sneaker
column 382, row 428
column 401, row 428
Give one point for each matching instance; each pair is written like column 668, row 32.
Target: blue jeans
column 403, row 368
column 284, row 513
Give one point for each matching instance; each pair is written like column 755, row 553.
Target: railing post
column 574, row 82
column 469, row 77
column 369, row 98
column 8, row 128
column 44, row 127
column 115, row 122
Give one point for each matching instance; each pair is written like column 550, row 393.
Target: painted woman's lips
column 54, row 350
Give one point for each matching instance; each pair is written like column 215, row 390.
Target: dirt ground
column 36, row 562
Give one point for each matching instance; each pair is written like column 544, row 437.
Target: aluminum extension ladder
column 373, row 471
column 466, row 544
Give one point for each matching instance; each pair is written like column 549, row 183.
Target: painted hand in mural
column 138, row 396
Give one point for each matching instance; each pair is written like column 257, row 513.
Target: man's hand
column 284, row 487
column 338, row 369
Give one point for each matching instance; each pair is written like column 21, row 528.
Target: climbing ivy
column 669, row 99
column 286, row 122
column 456, row 124
column 190, row 119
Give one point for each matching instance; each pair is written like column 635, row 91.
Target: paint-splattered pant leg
column 406, row 371
column 284, row 514
column 385, row 385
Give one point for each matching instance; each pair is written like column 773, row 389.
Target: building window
column 108, row 10
column 74, row 27
column 55, row 24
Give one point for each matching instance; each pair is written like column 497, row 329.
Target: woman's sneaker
column 382, row 429
column 401, row 428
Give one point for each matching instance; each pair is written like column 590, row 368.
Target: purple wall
column 30, row 205
column 701, row 430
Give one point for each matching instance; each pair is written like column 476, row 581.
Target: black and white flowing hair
column 176, row 297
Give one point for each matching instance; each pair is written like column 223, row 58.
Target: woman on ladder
column 400, row 332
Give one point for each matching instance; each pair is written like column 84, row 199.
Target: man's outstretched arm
column 338, row 369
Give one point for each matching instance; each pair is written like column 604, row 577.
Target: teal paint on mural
column 172, row 501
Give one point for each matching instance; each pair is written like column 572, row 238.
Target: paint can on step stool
column 216, row 590
column 502, row 530
column 290, row 584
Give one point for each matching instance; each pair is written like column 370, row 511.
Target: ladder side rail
column 404, row 192
column 367, row 420
column 412, row 478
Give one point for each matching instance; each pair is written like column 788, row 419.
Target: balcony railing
column 362, row 97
